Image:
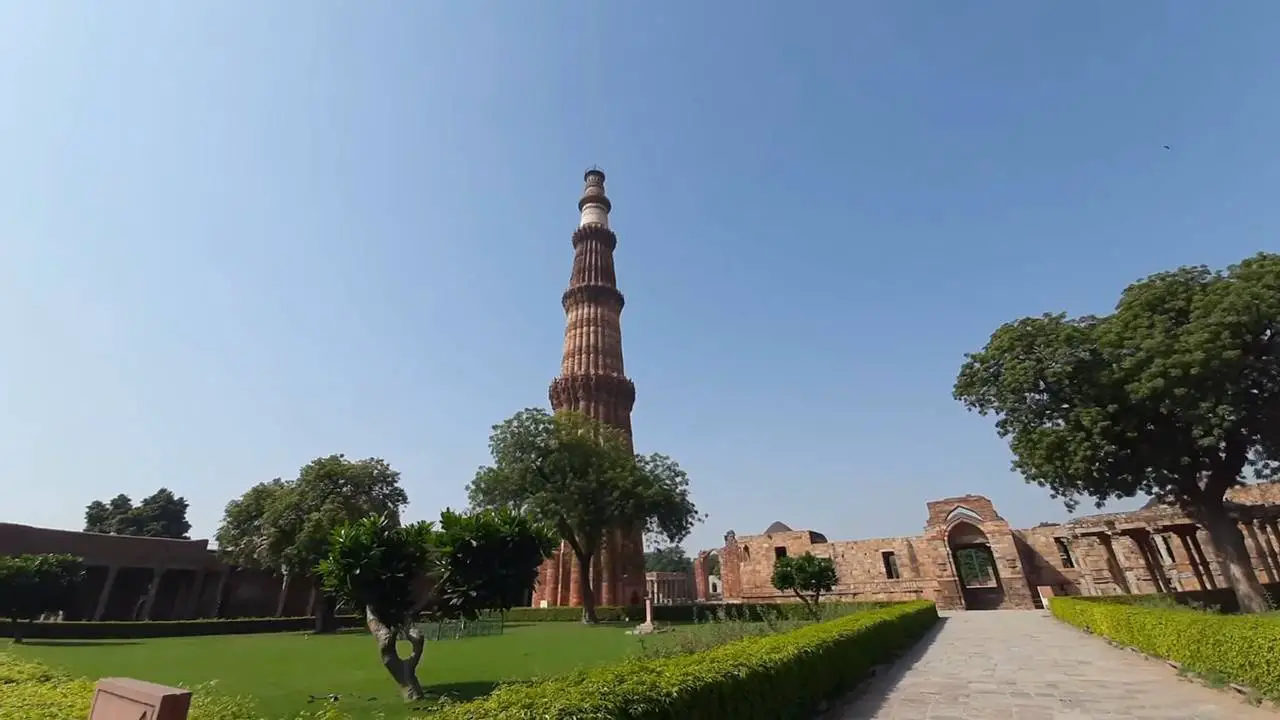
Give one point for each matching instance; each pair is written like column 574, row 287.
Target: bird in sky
column 1166, row 147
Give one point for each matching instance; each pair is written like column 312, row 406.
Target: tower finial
column 594, row 205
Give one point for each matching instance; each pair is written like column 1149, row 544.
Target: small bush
column 1243, row 649
column 758, row 678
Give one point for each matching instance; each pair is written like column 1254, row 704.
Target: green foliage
column 720, row 625
column 583, row 479
column 1174, row 395
column 807, row 575
column 671, row 558
column 162, row 515
column 484, row 561
column 30, row 690
column 458, row 568
column 286, row 525
column 1240, row 648
column 488, row 560
column 737, row 612
column 33, row 585
column 377, row 565
column 767, row 677
column 138, row 629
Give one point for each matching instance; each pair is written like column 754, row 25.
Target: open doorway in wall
column 976, row 566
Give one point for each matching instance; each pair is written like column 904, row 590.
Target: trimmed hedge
column 749, row 612
column 759, row 678
column 78, row 630
column 1244, row 649
column 88, row 630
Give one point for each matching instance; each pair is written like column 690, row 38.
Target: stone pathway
column 1023, row 665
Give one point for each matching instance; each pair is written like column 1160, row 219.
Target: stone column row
column 186, row 605
column 1265, row 533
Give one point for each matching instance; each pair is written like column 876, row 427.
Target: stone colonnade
column 668, row 588
column 1163, row 558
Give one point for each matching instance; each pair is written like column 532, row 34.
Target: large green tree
column 35, row 585
column 161, row 515
column 286, row 526
column 671, row 559
column 1175, row 394
column 457, row 568
column 582, row 478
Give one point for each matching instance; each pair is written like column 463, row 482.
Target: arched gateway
column 975, row 566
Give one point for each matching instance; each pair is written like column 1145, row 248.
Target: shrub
column 87, row 630
column 746, row 612
column 774, row 676
column 1240, row 648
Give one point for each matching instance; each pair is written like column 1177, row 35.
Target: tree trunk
column 326, row 618
column 403, row 671
column 588, row 596
column 17, row 631
column 1228, row 545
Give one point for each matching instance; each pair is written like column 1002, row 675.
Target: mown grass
column 288, row 673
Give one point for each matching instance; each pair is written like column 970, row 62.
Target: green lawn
column 282, row 671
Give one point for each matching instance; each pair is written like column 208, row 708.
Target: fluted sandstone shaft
column 592, row 381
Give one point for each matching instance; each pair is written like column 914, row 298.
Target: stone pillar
column 311, row 601
column 105, row 595
column 157, row 577
column 1250, row 531
column 1151, row 557
column 551, row 588
column 223, row 577
column 606, row 583
column 1205, row 566
column 701, row 579
column 575, row 581
column 1114, row 566
column 1193, row 559
column 1271, row 541
column 192, row 609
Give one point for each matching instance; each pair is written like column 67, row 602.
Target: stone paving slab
column 1025, row 665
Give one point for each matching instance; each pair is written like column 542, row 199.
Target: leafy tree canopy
column 582, row 478
column 161, row 515
column 807, row 576
column 1174, row 394
column 286, row 526
column 34, row 585
column 671, row 558
column 459, row 567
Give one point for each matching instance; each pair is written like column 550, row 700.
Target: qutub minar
column 592, row 381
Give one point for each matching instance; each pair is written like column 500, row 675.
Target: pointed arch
column 961, row 512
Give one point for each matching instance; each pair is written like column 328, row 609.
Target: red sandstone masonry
column 1155, row 549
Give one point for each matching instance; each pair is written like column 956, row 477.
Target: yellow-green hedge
column 759, row 678
column 1244, row 649
column 31, row 691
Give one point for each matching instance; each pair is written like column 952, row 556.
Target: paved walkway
column 1023, row 665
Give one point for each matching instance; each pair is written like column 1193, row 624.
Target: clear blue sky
column 236, row 236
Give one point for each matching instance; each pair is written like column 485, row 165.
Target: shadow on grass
column 866, row 701
column 79, row 643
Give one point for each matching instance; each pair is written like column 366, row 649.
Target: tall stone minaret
column 592, row 381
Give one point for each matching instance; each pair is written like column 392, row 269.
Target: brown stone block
column 126, row 699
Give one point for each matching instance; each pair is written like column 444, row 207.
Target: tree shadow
column 868, row 698
column 79, row 643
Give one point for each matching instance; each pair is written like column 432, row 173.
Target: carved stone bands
column 574, row 391
column 597, row 232
column 602, row 295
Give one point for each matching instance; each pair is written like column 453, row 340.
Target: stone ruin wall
column 1155, row 549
